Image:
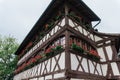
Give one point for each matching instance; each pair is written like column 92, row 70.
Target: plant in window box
column 94, row 55
column 38, row 58
column 75, row 17
column 31, row 62
column 41, row 34
column 49, row 52
column 77, row 48
column 57, row 49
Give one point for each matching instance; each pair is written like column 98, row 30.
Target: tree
column 8, row 60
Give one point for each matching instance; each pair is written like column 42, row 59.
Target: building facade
column 63, row 45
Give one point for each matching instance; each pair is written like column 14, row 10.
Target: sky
column 17, row 17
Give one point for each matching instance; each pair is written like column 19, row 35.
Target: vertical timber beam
column 109, row 69
column 115, row 56
column 67, row 53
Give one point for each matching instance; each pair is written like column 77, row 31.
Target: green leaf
column 8, row 60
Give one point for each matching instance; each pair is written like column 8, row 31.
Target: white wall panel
column 99, row 69
column 92, row 68
column 41, row 78
column 63, row 22
column 80, row 29
column 104, row 68
column 62, row 61
column 71, row 23
column 115, row 69
column 84, row 64
column 74, row 62
column 97, row 38
column 48, row 77
column 109, row 52
column 85, row 32
column 101, row 53
column 59, row 75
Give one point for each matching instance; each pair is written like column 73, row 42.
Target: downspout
column 97, row 23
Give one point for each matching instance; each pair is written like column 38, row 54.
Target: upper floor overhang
column 53, row 6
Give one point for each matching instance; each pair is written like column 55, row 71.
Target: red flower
column 93, row 52
column 85, row 47
column 48, row 50
column 78, row 43
column 28, row 63
column 53, row 46
column 33, row 60
column 38, row 56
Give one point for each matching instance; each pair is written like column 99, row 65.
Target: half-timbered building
column 63, row 45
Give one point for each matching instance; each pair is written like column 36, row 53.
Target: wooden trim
column 82, row 75
column 67, row 54
column 51, row 73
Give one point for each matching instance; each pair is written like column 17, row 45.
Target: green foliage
column 77, row 48
column 8, row 60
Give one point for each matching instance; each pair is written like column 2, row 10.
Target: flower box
column 77, row 48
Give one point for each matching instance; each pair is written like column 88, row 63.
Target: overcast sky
column 17, row 17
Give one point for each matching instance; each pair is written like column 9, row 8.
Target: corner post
column 67, row 53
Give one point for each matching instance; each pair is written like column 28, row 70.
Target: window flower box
column 93, row 55
column 77, row 48
column 53, row 50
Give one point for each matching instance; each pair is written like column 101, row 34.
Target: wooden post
column 67, row 53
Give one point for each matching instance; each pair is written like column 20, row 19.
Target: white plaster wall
column 71, row 23
column 48, row 77
column 84, row 64
column 101, row 53
column 115, row 69
column 104, row 68
column 97, row 38
column 41, row 78
column 74, row 62
column 92, row 68
column 85, row 32
column 59, row 75
column 99, row 69
column 63, row 22
column 34, row 79
column 56, row 29
column 109, row 52
column 92, row 37
column 80, row 29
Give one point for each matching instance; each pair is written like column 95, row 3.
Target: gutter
column 97, row 23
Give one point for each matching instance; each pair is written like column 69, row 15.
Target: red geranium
column 93, row 52
column 85, row 47
column 38, row 56
column 33, row 60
